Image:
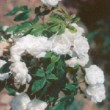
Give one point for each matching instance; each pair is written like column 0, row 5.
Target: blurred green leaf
column 22, row 16
column 71, row 28
column 40, row 73
column 23, row 26
column 38, row 85
column 17, row 9
column 50, row 68
column 11, row 89
column 55, row 58
column 51, row 77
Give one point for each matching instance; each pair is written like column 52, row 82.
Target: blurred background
column 95, row 17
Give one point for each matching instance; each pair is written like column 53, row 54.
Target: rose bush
column 40, row 55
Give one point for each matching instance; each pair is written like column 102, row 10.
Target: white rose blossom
column 96, row 93
column 35, row 46
column 50, row 3
column 20, row 102
column 81, row 60
column 60, row 44
column 81, row 45
column 20, row 72
column 68, row 42
column 23, row 102
column 37, row 105
column 72, row 35
column 94, row 75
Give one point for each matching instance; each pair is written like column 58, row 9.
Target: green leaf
column 50, row 68
column 74, row 19
column 38, row 29
column 38, row 85
column 12, row 29
column 48, row 55
column 23, row 26
column 11, row 89
column 57, row 18
column 22, row 16
column 76, row 68
column 17, row 9
column 55, row 58
column 71, row 28
column 70, row 87
column 59, row 106
column 35, row 20
column 52, row 77
column 40, row 73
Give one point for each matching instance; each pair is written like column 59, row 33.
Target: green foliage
column 38, row 85
column 59, row 106
column 40, row 73
column 48, row 73
column 22, row 16
column 16, row 10
column 11, row 89
column 71, row 87
column 50, row 68
column 52, row 77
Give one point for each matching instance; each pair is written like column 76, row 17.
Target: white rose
column 81, row 45
column 20, row 72
column 81, row 60
column 60, row 44
column 36, row 46
column 20, row 102
column 72, row 35
column 2, row 62
column 36, row 105
column 4, row 76
column 94, row 75
column 52, row 3
column 96, row 93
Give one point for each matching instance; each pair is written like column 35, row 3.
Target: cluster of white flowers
column 35, row 46
column 23, row 102
column 95, row 78
column 79, row 47
column 50, row 3
column 73, row 44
